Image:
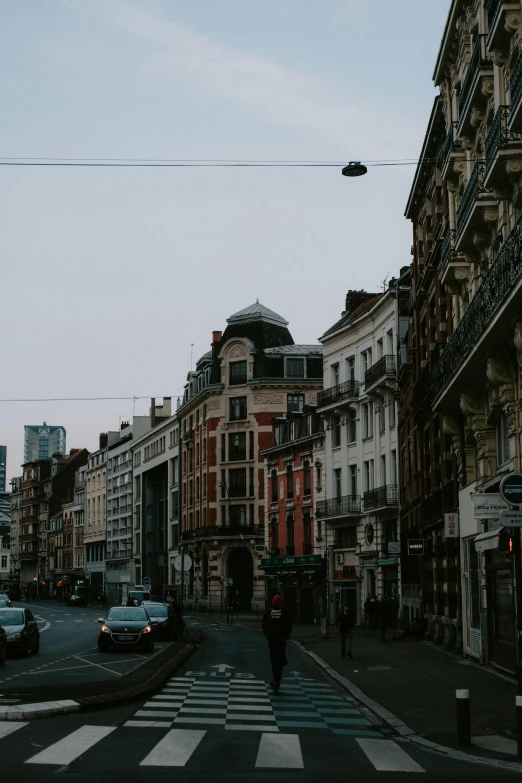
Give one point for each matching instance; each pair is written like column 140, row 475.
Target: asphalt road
column 68, row 650
column 217, row 720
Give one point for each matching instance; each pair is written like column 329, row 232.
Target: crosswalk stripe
column 251, row 700
column 208, row 702
column 9, row 728
column 387, row 756
column 243, row 727
column 155, row 724
column 175, row 749
column 258, row 707
column 280, row 751
column 73, row 745
column 163, row 704
column 212, row 721
column 205, row 710
column 155, row 714
column 230, row 716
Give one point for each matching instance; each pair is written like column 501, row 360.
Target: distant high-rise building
column 41, row 441
column 3, row 462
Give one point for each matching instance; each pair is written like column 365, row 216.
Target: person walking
column 277, row 627
column 384, row 616
column 103, row 599
column 345, row 623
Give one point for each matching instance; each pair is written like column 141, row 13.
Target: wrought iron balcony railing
column 382, row 496
column 386, row 365
column 337, row 507
column 223, row 530
column 499, row 282
column 448, row 246
column 479, row 59
column 492, row 9
column 499, row 134
column 343, row 391
column 468, row 198
column 515, row 83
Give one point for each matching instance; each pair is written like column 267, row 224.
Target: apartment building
column 95, row 529
column 14, row 543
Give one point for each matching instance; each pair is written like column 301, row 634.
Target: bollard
column 518, row 702
column 463, row 718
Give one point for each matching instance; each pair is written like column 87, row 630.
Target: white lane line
column 142, row 724
column 69, row 748
column 204, row 710
column 212, row 702
column 175, row 749
column 8, row 728
column 245, row 707
column 253, row 700
column 387, row 756
column 98, row 665
column 59, row 621
column 280, row 752
column 250, row 717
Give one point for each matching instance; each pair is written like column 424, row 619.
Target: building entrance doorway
column 241, row 571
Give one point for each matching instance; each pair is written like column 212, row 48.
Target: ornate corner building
column 460, row 390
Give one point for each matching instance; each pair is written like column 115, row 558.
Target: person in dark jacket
column 345, row 623
column 277, row 627
column 384, row 615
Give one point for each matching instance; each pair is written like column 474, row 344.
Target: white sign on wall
column 489, row 506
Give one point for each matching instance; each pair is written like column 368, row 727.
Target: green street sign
column 291, row 560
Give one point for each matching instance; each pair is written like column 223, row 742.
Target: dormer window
column 295, row 367
column 238, row 373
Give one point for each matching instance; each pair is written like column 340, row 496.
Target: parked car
column 23, row 635
column 5, row 600
column 76, row 600
column 3, row 646
column 166, row 621
column 126, row 627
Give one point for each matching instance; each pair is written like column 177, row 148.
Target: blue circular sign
column 511, row 489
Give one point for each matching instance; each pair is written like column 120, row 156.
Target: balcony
column 497, row 299
column 381, row 498
column 515, row 87
column 454, row 267
column 342, row 393
column 476, row 88
column 452, row 152
column 498, row 23
column 472, row 213
column 501, row 145
column 338, row 507
column 381, row 375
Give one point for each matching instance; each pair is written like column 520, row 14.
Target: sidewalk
column 417, row 683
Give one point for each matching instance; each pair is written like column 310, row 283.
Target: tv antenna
column 383, row 284
column 191, row 354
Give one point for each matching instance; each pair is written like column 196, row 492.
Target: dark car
column 126, row 626
column 76, row 600
column 23, row 635
column 3, row 646
column 5, row 600
column 166, row 622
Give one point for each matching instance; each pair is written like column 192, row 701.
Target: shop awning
column 489, row 540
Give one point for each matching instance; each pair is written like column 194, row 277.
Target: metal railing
column 387, row 495
column 499, row 134
column 336, row 507
column 468, row 199
column 515, row 82
column 386, row 365
column 343, row 391
column 492, row 9
column 223, row 530
column 479, row 59
column 499, row 282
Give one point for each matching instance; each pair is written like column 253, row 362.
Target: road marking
column 281, row 751
column 251, row 700
column 212, row 721
column 8, row 728
column 91, row 663
column 204, row 710
column 69, row 748
column 246, row 707
column 155, row 714
column 250, row 717
column 155, row 724
column 175, row 749
column 214, row 703
column 243, row 727
column 387, row 756
column 163, row 705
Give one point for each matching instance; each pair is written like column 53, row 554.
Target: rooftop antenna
column 191, row 354
column 383, row 284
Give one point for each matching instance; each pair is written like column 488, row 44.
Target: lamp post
column 354, row 169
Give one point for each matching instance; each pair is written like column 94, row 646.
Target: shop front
column 301, row 582
column 345, row 590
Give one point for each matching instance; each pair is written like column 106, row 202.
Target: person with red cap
column 277, row 627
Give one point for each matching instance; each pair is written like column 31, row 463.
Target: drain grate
column 378, row 668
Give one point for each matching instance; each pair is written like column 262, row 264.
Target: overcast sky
column 109, row 275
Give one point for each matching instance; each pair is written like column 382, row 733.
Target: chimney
column 216, row 336
column 124, row 425
column 355, row 299
column 152, row 412
column 163, row 411
column 57, row 455
column 104, row 439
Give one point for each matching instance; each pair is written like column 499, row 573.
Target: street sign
column 394, row 547
column 415, row 546
column 511, row 489
column 147, row 580
column 183, row 562
column 181, row 578
column 488, row 505
column 511, row 518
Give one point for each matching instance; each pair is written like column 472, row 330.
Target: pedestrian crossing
column 249, row 704
column 191, row 748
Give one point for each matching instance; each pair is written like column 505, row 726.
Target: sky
column 112, row 278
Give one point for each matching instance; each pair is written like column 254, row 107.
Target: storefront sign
column 415, row 546
column 488, row 506
column 291, row 560
column 451, row 525
column 511, row 489
column 390, row 561
column 394, row 547
column 260, row 548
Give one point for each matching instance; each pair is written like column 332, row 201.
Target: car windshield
column 127, row 614
column 139, row 595
column 157, row 611
column 11, row 618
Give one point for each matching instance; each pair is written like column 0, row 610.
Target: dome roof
column 257, row 312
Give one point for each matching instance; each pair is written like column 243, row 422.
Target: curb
column 48, row 708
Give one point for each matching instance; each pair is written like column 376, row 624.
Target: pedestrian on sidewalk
column 345, row 623
column 384, row 615
column 277, row 627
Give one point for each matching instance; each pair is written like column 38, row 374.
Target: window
column 289, row 482
column 223, row 448
column 389, row 343
column 393, row 474
column 307, row 479
column 295, row 368
column 338, row 486
column 368, row 475
column 251, row 482
column 380, row 352
column 336, row 432
column 382, row 418
column 383, row 470
column 318, row 478
column 251, row 444
column 346, row 538
column 274, row 532
column 223, row 484
column 368, row 420
column 237, row 446
column 352, row 426
column 290, row 535
column 175, row 505
column 295, row 402
column 137, row 459
column 273, row 485
column 350, row 368
column 366, row 358
column 204, row 449
column 392, row 413
column 175, row 470
column 238, row 408
column 335, row 375
column 237, row 483
column 352, row 472
column 238, row 515
column 503, row 450
column 238, row 373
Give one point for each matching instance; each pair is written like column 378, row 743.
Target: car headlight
column 13, row 636
column 105, row 629
column 147, row 629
